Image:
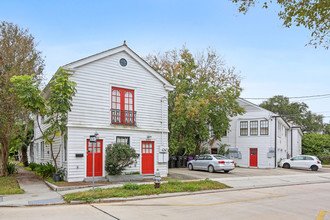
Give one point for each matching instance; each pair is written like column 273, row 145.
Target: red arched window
column 122, row 106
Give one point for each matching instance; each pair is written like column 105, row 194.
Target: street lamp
column 93, row 140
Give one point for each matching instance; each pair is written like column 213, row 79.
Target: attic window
column 123, row 62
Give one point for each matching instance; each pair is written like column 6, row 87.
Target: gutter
column 275, row 165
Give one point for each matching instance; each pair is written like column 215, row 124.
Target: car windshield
column 220, row 157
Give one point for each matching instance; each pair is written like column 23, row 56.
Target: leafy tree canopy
column 204, row 97
column 316, row 144
column 296, row 112
column 18, row 56
column 312, row 14
column 54, row 105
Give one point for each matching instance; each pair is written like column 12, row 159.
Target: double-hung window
column 243, row 128
column 122, row 106
column 253, row 128
column 264, row 130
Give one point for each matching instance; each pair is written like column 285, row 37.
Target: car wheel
column 314, row 168
column 190, row 166
column 226, row 171
column 211, row 169
column 286, row 166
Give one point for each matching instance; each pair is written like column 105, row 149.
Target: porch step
column 96, row 179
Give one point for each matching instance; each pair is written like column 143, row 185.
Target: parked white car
column 212, row 163
column 302, row 162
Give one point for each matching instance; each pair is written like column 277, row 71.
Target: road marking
column 105, row 212
column 321, row 215
column 210, row 204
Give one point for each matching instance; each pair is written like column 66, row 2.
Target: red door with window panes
column 98, row 157
column 122, row 106
column 147, row 157
column 253, row 157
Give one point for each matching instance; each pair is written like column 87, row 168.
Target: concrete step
column 96, row 179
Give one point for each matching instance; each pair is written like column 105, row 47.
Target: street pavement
column 298, row 202
column 38, row 193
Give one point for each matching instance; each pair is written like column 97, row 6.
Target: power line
column 298, row 97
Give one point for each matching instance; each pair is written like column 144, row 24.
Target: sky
column 271, row 59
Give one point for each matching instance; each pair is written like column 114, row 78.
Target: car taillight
column 232, row 162
column 318, row 162
column 221, row 161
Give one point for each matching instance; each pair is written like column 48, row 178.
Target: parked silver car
column 211, row 162
column 302, row 162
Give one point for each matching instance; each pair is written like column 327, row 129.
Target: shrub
column 325, row 158
column 118, row 157
column 131, row 186
column 33, row 166
column 45, row 170
column 11, row 168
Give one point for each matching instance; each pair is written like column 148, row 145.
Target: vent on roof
column 123, row 62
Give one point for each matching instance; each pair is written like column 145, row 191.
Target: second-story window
column 253, row 128
column 243, row 128
column 122, row 106
column 264, row 130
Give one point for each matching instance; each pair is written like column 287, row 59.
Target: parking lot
column 185, row 174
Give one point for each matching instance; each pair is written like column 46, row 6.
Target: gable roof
column 290, row 125
column 123, row 48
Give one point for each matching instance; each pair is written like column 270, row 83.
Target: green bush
column 33, row 166
column 45, row 170
column 11, row 168
column 131, row 186
column 118, row 157
column 325, row 158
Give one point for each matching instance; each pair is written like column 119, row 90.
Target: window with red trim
column 122, row 106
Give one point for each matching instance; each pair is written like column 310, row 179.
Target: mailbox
column 79, row 155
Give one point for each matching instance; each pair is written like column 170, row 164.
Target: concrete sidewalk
column 36, row 192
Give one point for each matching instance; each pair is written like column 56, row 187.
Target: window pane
column 254, row 128
column 244, row 128
column 264, row 127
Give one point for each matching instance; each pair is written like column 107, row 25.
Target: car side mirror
column 291, row 159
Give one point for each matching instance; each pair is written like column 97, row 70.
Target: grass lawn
column 9, row 185
column 132, row 189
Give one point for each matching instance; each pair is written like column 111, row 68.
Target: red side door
column 147, row 157
column 253, row 157
column 98, row 157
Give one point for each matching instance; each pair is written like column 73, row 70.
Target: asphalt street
column 310, row 201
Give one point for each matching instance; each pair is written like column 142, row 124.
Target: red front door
column 253, row 157
column 98, row 155
column 147, row 157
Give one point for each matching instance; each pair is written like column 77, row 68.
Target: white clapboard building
column 259, row 138
column 123, row 99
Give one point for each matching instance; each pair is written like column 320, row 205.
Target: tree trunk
column 4, row 158
column 24, row 156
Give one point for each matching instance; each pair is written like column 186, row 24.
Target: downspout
column 291, row 144
column 275, row 141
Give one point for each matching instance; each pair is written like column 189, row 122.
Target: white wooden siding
column 77, row 145
column 92, row 103
column 264, row 143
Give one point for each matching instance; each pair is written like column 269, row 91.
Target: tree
column 22, row 139
column 312, row 14
column 54, row 105
column 118, row 157
column 205, row 95
column 326, row 129
column 296, row 112
column 18, row 56
column 316, row 144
